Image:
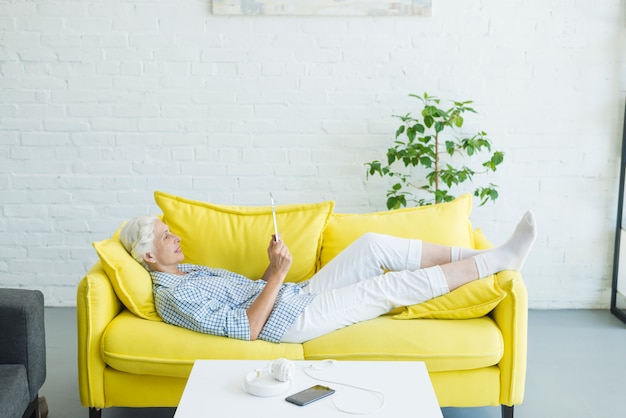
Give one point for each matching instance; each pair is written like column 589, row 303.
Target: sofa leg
column 507, row 411
column 95, row 413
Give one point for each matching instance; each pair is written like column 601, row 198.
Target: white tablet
column 276, row 235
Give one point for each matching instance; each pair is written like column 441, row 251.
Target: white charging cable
column 324, row 364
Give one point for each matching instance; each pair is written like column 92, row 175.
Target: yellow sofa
column 472, row 340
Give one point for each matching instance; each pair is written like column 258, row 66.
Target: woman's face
column 167, row 252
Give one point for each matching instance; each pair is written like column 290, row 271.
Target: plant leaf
column 410, row 133
column 450, row 147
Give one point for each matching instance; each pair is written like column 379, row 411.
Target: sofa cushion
column 130, row 280
column 472, row 300
column 444, row 223
column 160, row 349
column 236, row 237
column 166, row 350
column 443, row 345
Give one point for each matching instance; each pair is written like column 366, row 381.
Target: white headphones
column 272, row 381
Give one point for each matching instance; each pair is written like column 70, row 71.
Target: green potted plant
column 429, row 141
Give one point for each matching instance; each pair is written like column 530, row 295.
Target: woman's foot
column 513, row 253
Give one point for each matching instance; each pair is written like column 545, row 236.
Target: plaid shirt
column 214, row 301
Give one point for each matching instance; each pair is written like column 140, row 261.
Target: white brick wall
column 101, row 103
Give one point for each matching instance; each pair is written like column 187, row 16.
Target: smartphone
column 309, row 395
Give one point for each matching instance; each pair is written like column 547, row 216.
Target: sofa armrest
column 96, row 306
column 511, row 315
column 23, row 334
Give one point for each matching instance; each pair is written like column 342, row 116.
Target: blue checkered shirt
column 214, row 301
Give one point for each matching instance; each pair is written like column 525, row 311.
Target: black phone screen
column 309, row 395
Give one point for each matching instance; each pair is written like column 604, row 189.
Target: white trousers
column 372, row 276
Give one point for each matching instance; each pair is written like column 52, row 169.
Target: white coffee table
column 215, row 388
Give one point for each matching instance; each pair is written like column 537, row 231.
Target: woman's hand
column 261, row 308
column 280, row 260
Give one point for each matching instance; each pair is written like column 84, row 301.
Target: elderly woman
column 372, row 276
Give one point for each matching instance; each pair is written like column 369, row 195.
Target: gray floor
column 576, row 365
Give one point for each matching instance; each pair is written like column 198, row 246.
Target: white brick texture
column 101, row 103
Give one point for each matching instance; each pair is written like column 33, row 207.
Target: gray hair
column 137, row 237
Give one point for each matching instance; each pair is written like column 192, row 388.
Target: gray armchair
column 22, row 352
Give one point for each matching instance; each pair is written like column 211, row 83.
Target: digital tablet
column 276, row 235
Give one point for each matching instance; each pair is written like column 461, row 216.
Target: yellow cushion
column 132, row 282
column 472, row 300
column 443, row 345
column 160, row 349
column 445, row 223
column 236, row 237
column 480, row 240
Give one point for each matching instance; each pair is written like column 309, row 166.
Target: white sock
column 512, row 254
column 462, row 253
